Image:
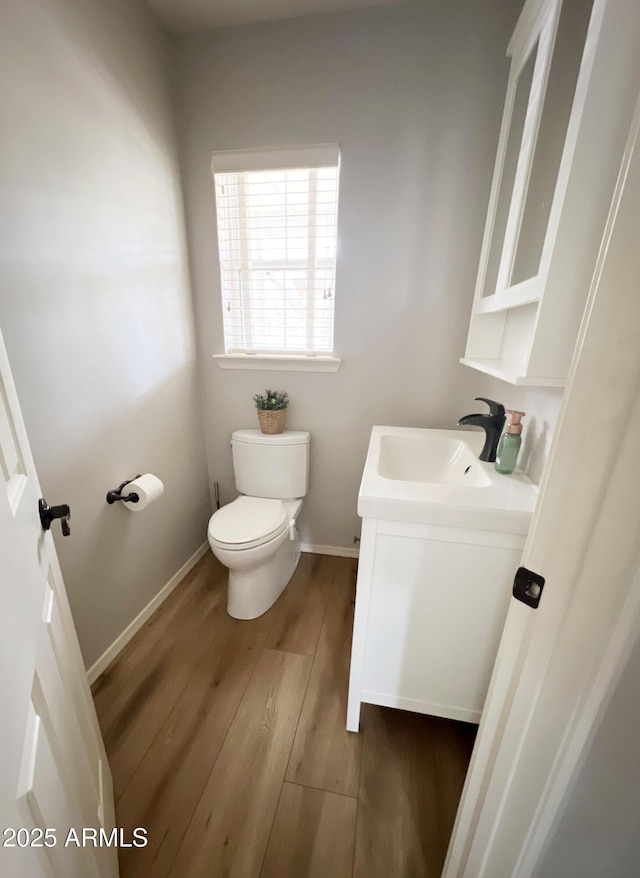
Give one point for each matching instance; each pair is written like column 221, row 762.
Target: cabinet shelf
column 512, row 373
column 526, row 293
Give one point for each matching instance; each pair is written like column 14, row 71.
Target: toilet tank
column 271, row 466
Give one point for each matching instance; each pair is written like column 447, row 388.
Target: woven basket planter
column 272, row 421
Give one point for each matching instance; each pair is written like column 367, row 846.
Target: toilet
column 255, row 536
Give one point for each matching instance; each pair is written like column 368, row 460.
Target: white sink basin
column 431, row 456
column 435, row 477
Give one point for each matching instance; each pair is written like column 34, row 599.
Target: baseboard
column 338, row 551
column 121, row 641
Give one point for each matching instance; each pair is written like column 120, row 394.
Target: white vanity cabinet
column 442, row 538
column 544, row 226
column 430, row 607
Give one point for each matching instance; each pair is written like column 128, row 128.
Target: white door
column 53, row 768
column 557, row 666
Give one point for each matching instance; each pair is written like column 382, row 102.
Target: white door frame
column 557, row 666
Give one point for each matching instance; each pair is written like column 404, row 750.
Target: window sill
column 278, row 363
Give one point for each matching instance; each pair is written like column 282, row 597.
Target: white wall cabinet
column 541, row 236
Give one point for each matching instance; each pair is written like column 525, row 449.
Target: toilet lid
column 247, row 522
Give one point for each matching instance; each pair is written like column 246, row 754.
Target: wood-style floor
column 227, row 742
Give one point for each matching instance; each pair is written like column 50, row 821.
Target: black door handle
column 50, row 513
column 527, row 587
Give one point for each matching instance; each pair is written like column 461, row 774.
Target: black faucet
column 492, row 424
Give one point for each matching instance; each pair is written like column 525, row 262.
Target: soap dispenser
column 509, row 444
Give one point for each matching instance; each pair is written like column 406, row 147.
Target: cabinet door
column 436, row 613
column 531, row 50
column 546, row 50
column 553, row 51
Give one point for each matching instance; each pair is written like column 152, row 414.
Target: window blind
column 277, row 238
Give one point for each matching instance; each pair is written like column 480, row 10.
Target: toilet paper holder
column 114, row 496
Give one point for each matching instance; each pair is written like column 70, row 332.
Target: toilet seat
column 248, row 522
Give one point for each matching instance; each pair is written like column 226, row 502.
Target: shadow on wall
column 102, row 46
column 95, row 307
column 115, row 561
column 539, row 435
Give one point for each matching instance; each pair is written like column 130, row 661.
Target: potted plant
column 272, row 405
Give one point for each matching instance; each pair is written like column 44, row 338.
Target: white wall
column 542, row 407
column 95, row 303
column 598, row 835
column 413, row 94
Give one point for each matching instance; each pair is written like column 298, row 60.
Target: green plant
column 271, row 400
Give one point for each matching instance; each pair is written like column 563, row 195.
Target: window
column 277, row 216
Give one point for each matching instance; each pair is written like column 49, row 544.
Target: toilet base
column 252, row 592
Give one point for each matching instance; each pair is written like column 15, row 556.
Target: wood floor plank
column 324, row 754
column 112, row 688
column 152, row 692
column 107, row 686
column 200, row 720
column 298, row 614
column 397, row 831
column 312, row 836
column 164, row 791
column 230, row 828
column 452, row 746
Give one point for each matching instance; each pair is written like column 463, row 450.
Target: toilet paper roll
column 148, row 488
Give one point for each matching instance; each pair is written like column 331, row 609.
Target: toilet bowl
column 256, row 539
